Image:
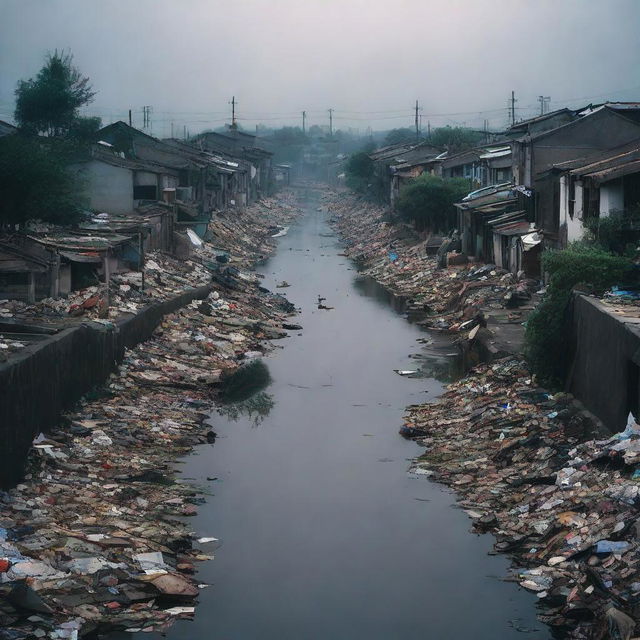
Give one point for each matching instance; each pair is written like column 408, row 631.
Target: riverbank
column 527, row 466
column 323, row 532
column 561, row 504
column 477, row 301
column 94, row 536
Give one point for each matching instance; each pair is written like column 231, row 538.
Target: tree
column 455, row 139
column 288, row 143
column 359, row 171
column 397, row 136
column 36, row 184
column 428, row 202
column 48, row 104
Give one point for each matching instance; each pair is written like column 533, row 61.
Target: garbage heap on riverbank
column 95, row 537
column 561, row 498
column 234, row 239
column 449, row 299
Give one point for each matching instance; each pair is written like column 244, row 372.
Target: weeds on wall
column 547, row 333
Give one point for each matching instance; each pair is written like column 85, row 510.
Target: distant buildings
column 144, row 194
column 533, row 186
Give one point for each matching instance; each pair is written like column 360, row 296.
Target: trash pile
column 559, row 495
column 9, row 346
column 96, row 537
column 237, row 239
column 393, row 255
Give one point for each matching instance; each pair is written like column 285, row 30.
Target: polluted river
column 323, row 532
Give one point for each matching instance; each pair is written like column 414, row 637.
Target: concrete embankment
column 93, row 537
column 605, row 359
column 49, row 377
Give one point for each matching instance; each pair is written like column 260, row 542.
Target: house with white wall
column 606, row 185
column 115, row 184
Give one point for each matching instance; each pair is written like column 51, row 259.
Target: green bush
column 36, row 184
column 359, row 171
column 547, row 333
column 244, row 382
column 428, row 202
column 618, row 232
column 455, row 139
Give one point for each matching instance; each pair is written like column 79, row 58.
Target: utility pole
column 417, row 123
column 130, row 118
column 331, row 123
column 429, row 129
column 513, row 108
column 184, row 131
column 146, row 117
column 233, row 113
column 544, row 104
column 172, row 130
column 304, row 122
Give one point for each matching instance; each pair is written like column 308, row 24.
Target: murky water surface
column 324, row 534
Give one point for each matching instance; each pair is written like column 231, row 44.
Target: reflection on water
column 367, row 286
column 256, row 408
column 443, row 368
column 440, row 360
column 244, row 382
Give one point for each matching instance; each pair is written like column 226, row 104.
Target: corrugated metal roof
column 518, row 227
column 496, row 153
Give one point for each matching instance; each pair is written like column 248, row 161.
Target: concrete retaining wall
column 47, row 378
column 605, row 372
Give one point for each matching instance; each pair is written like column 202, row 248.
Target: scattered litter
column 96, row 533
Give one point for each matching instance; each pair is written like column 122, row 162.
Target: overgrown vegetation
column 359, row 171
column 397, row 136
column 244, row 382
column 428, row 202
column 49, row 103
column 455, row 139
column 36, row 184
column 619, row 232
column 35, row 178
column 547, row 332
column 288, row 144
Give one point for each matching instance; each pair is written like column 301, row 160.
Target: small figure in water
column 320, row 305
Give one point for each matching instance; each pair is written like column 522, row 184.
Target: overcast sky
column 367, row 59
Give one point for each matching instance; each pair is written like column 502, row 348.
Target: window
column 572, row 195
column 145, row 192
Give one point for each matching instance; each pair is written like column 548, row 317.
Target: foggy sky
column 367, row 59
